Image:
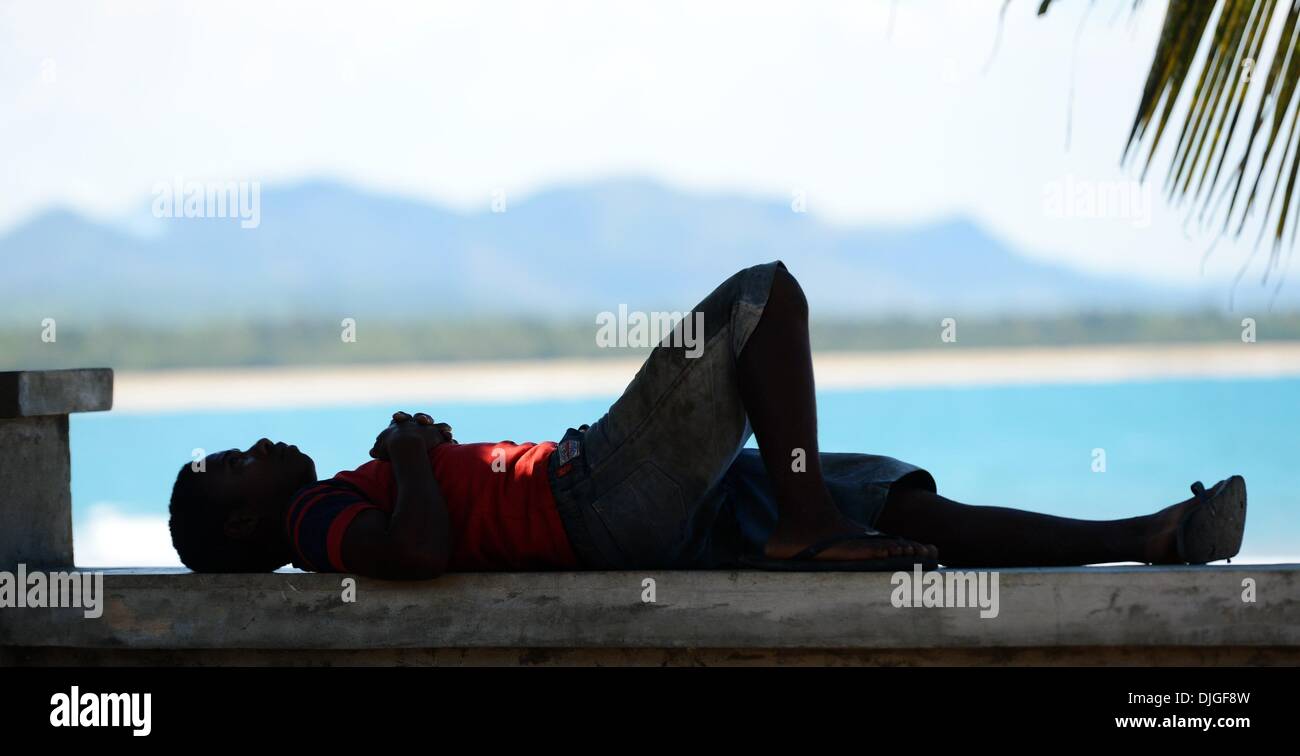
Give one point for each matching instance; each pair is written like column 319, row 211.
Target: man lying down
column 662, row 480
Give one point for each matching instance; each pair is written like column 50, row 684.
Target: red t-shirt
column 499, row 503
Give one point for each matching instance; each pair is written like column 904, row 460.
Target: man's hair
column 197, row 525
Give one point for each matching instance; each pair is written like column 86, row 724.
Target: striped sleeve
column 316, row 521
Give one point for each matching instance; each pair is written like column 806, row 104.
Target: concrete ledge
column 1128, row 608
column 1147, row 656
column 31, row 393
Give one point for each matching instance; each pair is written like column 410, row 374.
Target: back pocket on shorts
column 645, row 516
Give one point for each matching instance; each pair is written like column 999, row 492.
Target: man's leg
column 980, row 536
column 640, row 491
column 776, row 385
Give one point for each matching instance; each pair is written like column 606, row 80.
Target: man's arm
column 414, row 541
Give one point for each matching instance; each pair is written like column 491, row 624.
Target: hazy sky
column 876, row 111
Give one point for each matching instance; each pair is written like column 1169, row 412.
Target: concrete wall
column 1156, row 656
column 35, row 472
column 35, row 503
column 1190, row 615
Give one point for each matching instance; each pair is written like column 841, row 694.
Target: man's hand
column 416, row 430
column 413, row 541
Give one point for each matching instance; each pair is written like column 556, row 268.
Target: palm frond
column 1204, row 76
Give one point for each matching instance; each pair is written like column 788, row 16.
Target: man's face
column 261, row 478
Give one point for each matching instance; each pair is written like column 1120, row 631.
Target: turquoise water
column 1030, row 447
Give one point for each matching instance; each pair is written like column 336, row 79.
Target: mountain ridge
column 323, row 247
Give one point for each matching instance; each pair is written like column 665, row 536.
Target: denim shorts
column 663, row 479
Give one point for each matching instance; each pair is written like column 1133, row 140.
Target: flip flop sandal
column 1212, row 528
column 804, row 561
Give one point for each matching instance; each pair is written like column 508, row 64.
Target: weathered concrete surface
column 35, row 499
column 1130, row 608
column 31, row 393
column 35, row 472
column 1147, row 656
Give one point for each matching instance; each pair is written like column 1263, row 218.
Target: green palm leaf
column 1205, row 75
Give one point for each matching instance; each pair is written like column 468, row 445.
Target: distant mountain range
column 324, row 249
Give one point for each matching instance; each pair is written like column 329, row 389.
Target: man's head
column 227, row 515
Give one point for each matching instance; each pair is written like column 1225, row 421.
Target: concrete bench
column 35, row 471
column 1092, row 615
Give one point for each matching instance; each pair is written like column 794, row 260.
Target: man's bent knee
column 787, row 295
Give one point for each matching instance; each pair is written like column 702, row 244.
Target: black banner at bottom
column 205, row 706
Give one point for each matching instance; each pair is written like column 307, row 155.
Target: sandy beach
column 505, row 381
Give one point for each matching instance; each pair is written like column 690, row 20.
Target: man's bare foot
column 788, row 539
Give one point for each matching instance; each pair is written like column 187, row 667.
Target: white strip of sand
column 504, row 381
